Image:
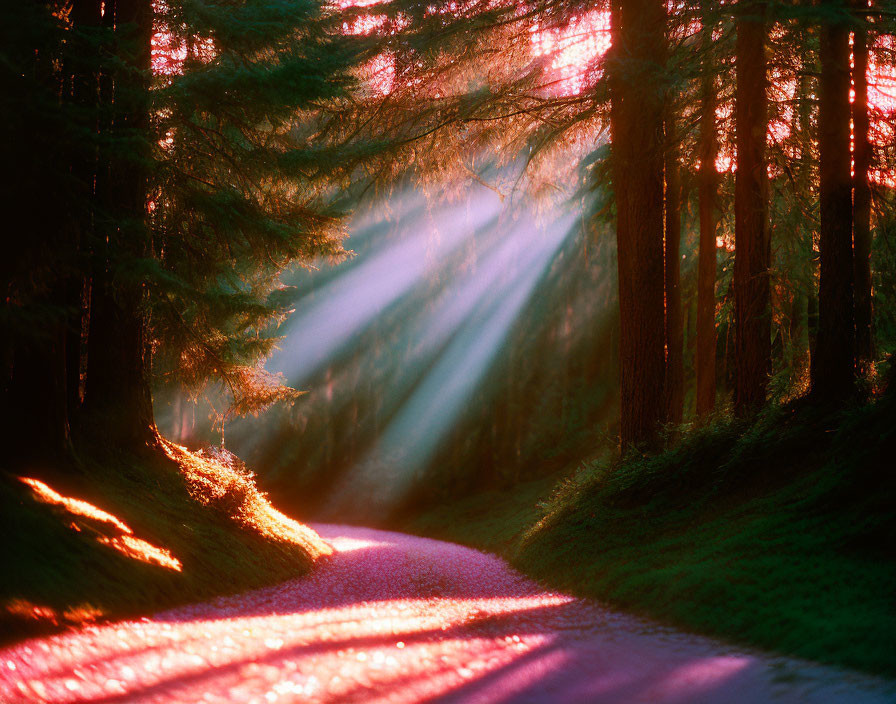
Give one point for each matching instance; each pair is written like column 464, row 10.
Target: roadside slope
column 122, row 534
column 776, row 533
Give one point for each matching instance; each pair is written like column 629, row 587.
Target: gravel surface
column 395, row 618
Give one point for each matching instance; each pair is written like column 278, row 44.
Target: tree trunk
column 753, row 253
column 86, row 17
column 118, row 369
column 36, row 268
column 833, row 366
column 117, row 390
column 862, row 199
column 705, row 358
column 36, row 423
column 803, row 318
column 74, row 294
column 636, row 122
column 674, row 332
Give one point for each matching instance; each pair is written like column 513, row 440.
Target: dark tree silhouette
column 707, row 179
column 833, row 365
column 753, row 253
column 862, row 195
column 674, row 330
column 118, row 383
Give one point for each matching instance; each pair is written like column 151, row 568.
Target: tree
column 40, row 204
column 636, row 124
column 118, row 372
column 674, row 324
column 833, row 365
column 752, row 241
column 862, row 195
column 707, row 177
column 180, row 191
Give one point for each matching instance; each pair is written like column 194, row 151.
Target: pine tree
column 636, row 123
column 180, row 196
column 833, row 365
column 862, row 195
column 707, row 178
column 752, row 242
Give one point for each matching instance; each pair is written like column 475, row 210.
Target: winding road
column 395, row 618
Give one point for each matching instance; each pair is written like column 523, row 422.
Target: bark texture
column 753, row 252
column 674, row 330
column 833, row 365
column 636, row 121
column 862, row 199
column 705, row 357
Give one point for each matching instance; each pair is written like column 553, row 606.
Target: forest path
column 395, row 618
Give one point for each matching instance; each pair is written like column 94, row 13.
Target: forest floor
column 776, row 533
column 124, row 534
column 394, row 618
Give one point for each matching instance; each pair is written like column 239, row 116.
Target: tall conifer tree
column 636, row 122
column 674, row 330
column 833, row 365
column 707, row 178
column 752, row 242
column 862, row 193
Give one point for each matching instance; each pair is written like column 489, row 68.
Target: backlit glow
column 572, row 49
column 219, row 481
column 123, row 540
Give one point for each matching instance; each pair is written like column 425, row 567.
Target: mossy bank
column 125, row 534
column 774, row 533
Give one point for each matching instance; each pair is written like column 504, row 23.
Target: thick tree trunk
column 674, row 329
column 862, row 200
column 753, row 253
column 705, row 358
column 833, row 366
column 86, row 17
column 636, row 121
column 36, row 423
column 117, row 389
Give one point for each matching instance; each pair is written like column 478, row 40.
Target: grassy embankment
column 127, row 535
column 778, row 533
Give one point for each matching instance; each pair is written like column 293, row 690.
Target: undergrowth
column 120, row 535
column 775, row 533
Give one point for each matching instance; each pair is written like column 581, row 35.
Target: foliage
column 773, row 533
column 765, row 532
column 243, row 185
column 237, row 178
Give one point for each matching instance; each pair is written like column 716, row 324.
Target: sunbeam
column 477, row 315
column 407, row 343
column 347, row 305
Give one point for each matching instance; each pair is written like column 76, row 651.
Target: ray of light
column 477, row 316
column 349, row 303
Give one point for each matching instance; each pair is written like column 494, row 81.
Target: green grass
column 492, row 520
column 776, row 534
column 52, row 559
